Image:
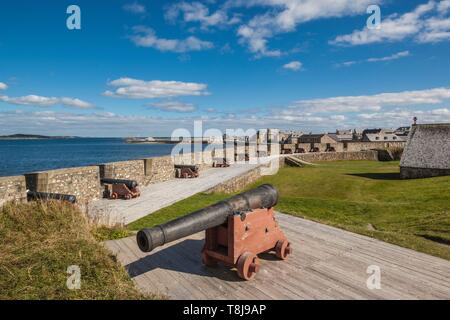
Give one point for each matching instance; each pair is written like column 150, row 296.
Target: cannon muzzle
column 264, row 196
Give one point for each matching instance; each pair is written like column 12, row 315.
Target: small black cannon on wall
column 46, row 196
column 120, row 188
column 186, row 171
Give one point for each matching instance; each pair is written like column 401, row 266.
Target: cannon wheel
column 283, row 249
column 114, row 195
column 247, row 265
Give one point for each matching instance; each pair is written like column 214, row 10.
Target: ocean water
column 24, row 156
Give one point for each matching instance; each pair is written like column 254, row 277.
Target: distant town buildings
column 318, row 138
column 377, row 135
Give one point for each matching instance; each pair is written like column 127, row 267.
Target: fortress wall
column 82, row 182
column 361, row 146
column 12, row 189
column 158, row 169
column 335, row 156
column 131, row 170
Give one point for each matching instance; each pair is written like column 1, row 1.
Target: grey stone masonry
column 12, row 189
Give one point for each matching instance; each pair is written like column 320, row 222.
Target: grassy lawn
column 40, row 241
column 365, row 197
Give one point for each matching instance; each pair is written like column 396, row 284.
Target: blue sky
column 148, row 67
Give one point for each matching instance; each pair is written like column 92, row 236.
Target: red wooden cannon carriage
column 185, row 171
column 120, row 189
column 220, row 163
column 238, row 242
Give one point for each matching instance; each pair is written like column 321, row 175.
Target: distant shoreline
column 32, row 137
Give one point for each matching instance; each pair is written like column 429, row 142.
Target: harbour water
column 25, row 156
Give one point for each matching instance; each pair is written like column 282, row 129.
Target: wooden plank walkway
column 327, row 263
column 159, row 195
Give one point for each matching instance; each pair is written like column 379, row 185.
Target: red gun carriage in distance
column 220, row 163
column 120, row 189
column 185, row 171
column 237, row 230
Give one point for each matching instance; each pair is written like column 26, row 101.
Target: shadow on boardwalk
column 174, row 258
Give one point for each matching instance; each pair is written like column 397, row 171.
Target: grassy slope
column 39, row 242
column 350, row 195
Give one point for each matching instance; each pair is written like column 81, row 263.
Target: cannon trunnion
column 236, row 229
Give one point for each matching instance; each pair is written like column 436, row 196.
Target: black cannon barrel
column 264, row 196
column 34, row 195
column 185, row 166
column 131, row 184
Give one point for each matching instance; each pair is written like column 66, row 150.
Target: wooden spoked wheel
column 247, row 265
column 283, row 249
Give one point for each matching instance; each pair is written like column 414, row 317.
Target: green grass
column 176, row 210
column 351, row 195
column 40, row 241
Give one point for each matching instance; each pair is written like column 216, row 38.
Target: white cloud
column 425, row 24
column 198, row 12
column 395, row 56
column 293, row 65
column 338, row 117
column 284, row 16
column 173, row 106
column 41, row 101
column 373, row 102
column 394, row 117
column 3, row 86
column 140, row 89
column 444, row 6
column 146, row 37
column 135, row 7
column 436, row 30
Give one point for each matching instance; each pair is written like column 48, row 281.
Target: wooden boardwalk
column 327, row 263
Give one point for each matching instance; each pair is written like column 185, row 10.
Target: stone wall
column 82, row 182
column 348, row 146
column 202, row 159
column 158, row 169
column 361, row 146
column 237, row 183
column 12, row 189
column 336, row 156
column 130, row 170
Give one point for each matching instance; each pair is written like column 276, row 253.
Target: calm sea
column 25, row 156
